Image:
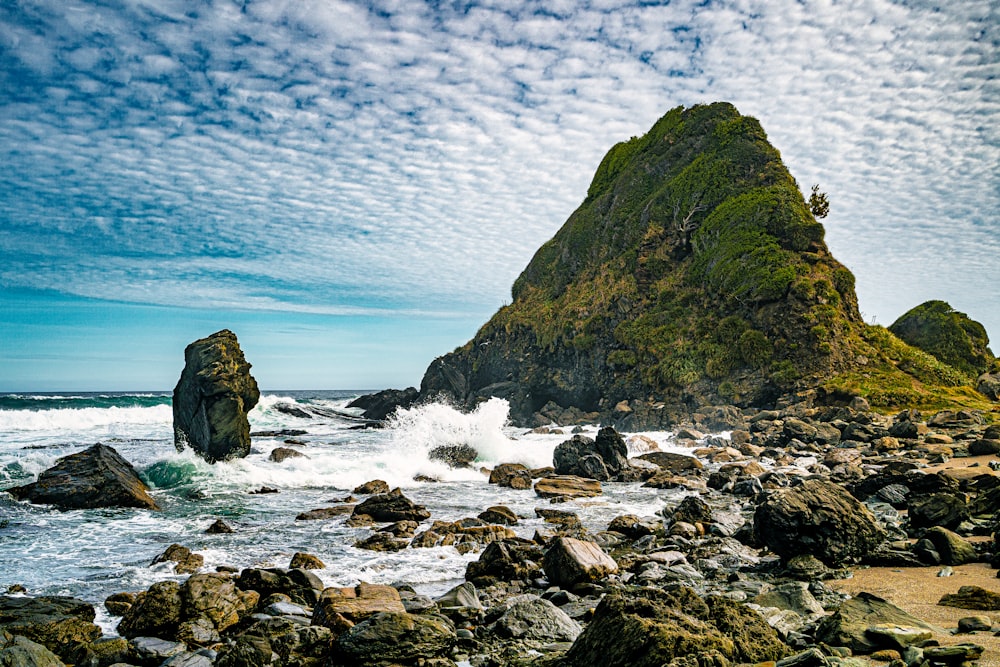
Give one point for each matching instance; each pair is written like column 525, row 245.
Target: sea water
column 91, row 554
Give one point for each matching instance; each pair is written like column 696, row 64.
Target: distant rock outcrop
column 693, row 274
column 212, row 398
column 952, row 337
column 96, row 477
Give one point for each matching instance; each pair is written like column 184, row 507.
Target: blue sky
column 353, row 187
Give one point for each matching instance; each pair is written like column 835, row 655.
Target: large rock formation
column 693, row 274
column 96, row 477
column 212, row 398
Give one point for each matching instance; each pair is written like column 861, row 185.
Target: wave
column 38, row 402
column 84, row 419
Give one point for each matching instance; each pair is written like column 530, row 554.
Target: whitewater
column 90, row 554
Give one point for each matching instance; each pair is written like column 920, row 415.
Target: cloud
column 407, row 157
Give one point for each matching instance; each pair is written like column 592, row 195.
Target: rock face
column 60, row 624
column 819, row 518
column 96, row 477
column 212, row 398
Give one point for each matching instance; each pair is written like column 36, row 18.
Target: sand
column 917, row 590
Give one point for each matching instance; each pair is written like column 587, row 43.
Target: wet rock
column 373, row 487
column 20, row 651
column 380, row 405
column 186, row 561
column 154, row 650
column 300, row 585
column 972, row 597
column 119, row 603
column 569, row 561
column 819, row 518
column 341, row 608
column 506, row 560
column 456, row 456
column 632, row 526
column 673, row 461
column 279, row 454
column 306, row 561
column 155, row 613
column 324, row 513
column 849, row 625
column 531, row 617
column 212, row 398
column 380, row 541
column 513, row 475
column 95, row 477
column 215, row 597
column 567, row 486
column 602, row 458
column 247, row 651
column 499, row 514
column 392, row 506
column 388, row 637
column 295, row 644
column 219, row 527
column 63, row 625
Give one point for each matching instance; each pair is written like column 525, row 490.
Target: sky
column 352, row 187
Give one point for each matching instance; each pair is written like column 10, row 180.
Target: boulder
column 392, row 637
column 499, row 514
column 953, row 548
column 381, row 404
column 937, row 509
column 219, row 527
column 306, row 561
column 279, row 454
column 456, row 456
column 848, row 626
column 567, row 486
column 988, row 385
column 22, row 652
column 155, row 613
column 602, row 458
column 301, row 585
column 531, row 617
column 95, row 477
column 651, row 627
column 214, row 597
column 186, row 561
column 569, row 561
column 340, row 608
column 820, row 518
column 392, row 506
column 212, row 398
column 506, row 560
column 513, row 475
column 673, row 461
column 373, row 487
column 61, row 624
column 972, row 597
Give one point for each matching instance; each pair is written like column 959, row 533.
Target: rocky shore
column 750, row 567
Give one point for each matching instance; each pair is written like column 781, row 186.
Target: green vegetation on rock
column 950, row 336
column 694, row 273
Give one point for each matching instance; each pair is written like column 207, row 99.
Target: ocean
column 90, row 554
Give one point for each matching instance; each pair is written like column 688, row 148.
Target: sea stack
column 212, row 398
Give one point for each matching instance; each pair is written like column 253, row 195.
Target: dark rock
column 651, row 627
column 392, row 506
column 212, row 398
column 63, row 625
column 186, row 561
column 247, row 651
column 388, row 637
column 380, row 541
column 506, row 560
column 601, row 459
column 988, row 384
column 456, row 456
column 323, row 513
column 692, row 509
column 380, row 405
column 96, row 477
column 499, row 514
column 373, row 487
column 279, row 454
column 955, row 655
column 155, row 613
column 22, row 652
column 972, row 597
column 632, row 526
column 514, row 475
column 937, row 509
column 219, row 527
column 984, row 446
column 975, row 624
column 301, row 585
column 848, row 626
column 119, row 603
column 214, row 597
column 819, row 518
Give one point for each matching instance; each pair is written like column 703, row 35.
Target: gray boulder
column 22, row 652
column 569, row 561
column 389, row 637
column 531, row 617
column 212, row 398
column 96, row 477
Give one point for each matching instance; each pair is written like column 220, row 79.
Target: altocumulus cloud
column 409, row 157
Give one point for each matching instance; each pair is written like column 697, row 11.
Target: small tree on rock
column 818, row 203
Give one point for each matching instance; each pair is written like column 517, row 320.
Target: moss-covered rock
column 950, row 336
column 692, row 274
